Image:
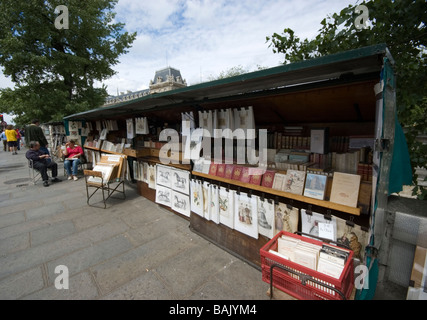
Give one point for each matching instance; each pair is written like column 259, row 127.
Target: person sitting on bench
column 42, row 162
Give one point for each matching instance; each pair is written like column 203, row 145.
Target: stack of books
column 332, row 261
column 324, row 258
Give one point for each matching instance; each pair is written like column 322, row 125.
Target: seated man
column 72, row 153
column 42, row 162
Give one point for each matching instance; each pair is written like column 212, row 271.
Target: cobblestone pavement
column 132, row 250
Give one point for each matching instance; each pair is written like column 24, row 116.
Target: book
column 319, row 141
column 298, row 251
column 330, row 268
column 220, row 170
column 306, row 257
column 294, row 182
column 315, row 186
column 206, row 166
column 237, row 173
column 268, row 179
column 245, row 177
column 255, row 179
column 213, row 169
column 229, row 168
column 345, row 189
column 278, row 181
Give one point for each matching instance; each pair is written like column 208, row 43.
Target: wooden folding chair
column 94, row 179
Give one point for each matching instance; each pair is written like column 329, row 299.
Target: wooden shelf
column 112, row 152
column 157, row 161
column 91, row 148
column 316, row 202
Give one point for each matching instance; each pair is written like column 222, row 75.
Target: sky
column 203, row 38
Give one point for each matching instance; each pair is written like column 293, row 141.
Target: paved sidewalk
column 132, row 250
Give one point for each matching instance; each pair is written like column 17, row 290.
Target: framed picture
column 164, row 176
column 180, row 181
column 315, row 185
column 181, row 203
column 164, row 196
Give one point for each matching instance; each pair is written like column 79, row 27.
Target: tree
column 54, row 68
column 232, row 72
column 402, row 26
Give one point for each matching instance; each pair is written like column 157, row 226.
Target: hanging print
column 226, row 207
column 180, row 181
column 214, row 203
column 197, row 197
column 246, row 217
column 164, row 176
column 163, row 196
column 286, row 218
column 266, row 218
column 181, row 203
column 312, row 224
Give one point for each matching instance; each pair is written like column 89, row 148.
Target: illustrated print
column 164, row 196
column 180, row 182
column 223, row 204
column 180, row 204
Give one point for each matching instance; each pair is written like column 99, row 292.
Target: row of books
column 282, row 141
column 293, row 138
column 365, row 171
column 113, row 147
column 345, row 187
column 322, row 258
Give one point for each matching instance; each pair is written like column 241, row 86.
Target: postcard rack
column 302, row 282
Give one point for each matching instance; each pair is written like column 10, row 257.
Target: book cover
column 237, row 173
column 294, row 182
column 278, row 181
column 315, row 186
column 345, row 189
column 255, row 179
column 245, row 177
column 220, row 170
column 268, row 179
column 213, row 169
column 229, row 168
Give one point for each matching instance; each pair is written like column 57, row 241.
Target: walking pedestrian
column 18, row 138
column 22, row 132
column 34, row 133
column 12, row 140
column 4, row 139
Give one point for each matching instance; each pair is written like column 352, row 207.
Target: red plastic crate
column 316, row 283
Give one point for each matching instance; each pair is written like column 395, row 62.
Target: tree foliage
column 53, row 69
column 402, row 26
